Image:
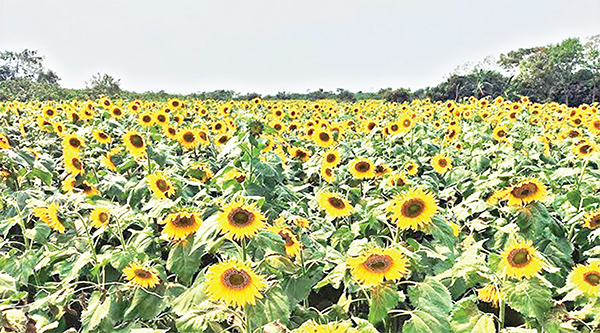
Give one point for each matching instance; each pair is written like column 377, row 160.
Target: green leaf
column 466, row 318
column 574, row 198
column 334, row 277
column 190, row 300
column 145, row 305
column 274, row 306
column 384, row 298
column 8, row 285
column 95, row 312
column 269, row 240
column 183, row 263
column 529, row 297
column 432, row 297
column 423, row 322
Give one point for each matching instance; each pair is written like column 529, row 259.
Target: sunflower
column 73, row 164
column 68, row 184
column 335, row 205
column 592, row 219
column 101, row 136
column 594, row 125
column 161, row 118
column 170, row 132
column 188, row 138
column 116, row 112
column 160, row 185
column 397, row 179
column 337, row 327
column 327, row 173
column 180, row 225
column 4, row 143
column 331, row 158
column 292, row 245
column 50, row 217
column 413, row 209
column 375, row 265
column 441, row 163
column 200, row 172
column 587, row 278
column 146, row 119
column 234, row 174
column 362, row 168
column 381, row 169
column 141, row 275
column 300, row 153
column 238, row 220
column 72, row 142
column 526, row 191
column 500, row 133
column 100, row 217
column 111, row 159
column 135, row 144
column 233, row 283
column 411, row 168
column 323, row 138
column 520, row 260
column 585, row 149
column 58, row 127
column 406, row 123
column 89, row 189
column 489, row 294
column 300, row 221
column 222, row 139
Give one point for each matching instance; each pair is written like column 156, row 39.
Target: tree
column 104, row 84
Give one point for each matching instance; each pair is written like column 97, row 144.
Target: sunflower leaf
column 95, row 312
column 184, row 262
column 466, row 318
column 384, row 298
column 529, row 297
column 432, row 297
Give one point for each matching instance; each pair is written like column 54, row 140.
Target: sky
column 272, row 46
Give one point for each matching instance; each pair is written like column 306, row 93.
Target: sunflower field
column 299, row 216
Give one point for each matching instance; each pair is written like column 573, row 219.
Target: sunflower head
column 292, row 245
column 489, row 294
column 100, row 217
column 181, row 224
column 586, row 278
column 525, row 192
column 331, row 158
column 413, row 209
column 141, row 275
column 160, row 185
column 441, row 163
column 135, row 144
column 375, row 265
column 238, row 220
column 520, row 260
column 592, row 219
column 233, row 283
column 362, row 168
column 335, row 205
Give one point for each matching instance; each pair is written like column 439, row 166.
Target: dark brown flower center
column 136, row 141
column 413, row 207
column 331, row 158
column 406, row 123
column 336, row 203
column 76, row 163
column 74, row 142
column 240, row 217
column 524, row 191
column 328, row 172
column 592, row 278
column 102, row 135
column 172, row 131
column 142, row 273
column 362, row 166
column 162, row 185
column 585, row 149
column 146, row 119
column 183, row 221
column 117, row 112
column 519, row 258
column 443, row 163
column 324, row 137
column 223, row 139
column 287, row 238
column 501, row 133
column 235, row 279
column 594, row 221
column 103, row 217
column 189, row 137
column 394, row 127
column 161, row 118
column 378, row 263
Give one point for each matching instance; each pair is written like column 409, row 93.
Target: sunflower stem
column 502, row 312
column 247, row 315
column 244, row 249
column 304, row 301
column 582, row 173
column 92, row 247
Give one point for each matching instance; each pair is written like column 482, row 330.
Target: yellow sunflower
column 101, row 136
column 323, row 138
column 170, row 132
column 111, row 159
column 489, row 294
column 411, row 168
column 72, row 142
column 327, row 173
column 413, row 209
column 397, row 179
column 300, row 221
column 49, row 215
column 525, row 192
column 441, row 163
column 335, row 205
column 100, row 217
column 233, row 283
column 592, row 219
column 594, row 125
column 73, row 164
column 180, row 225
column 375, row 265
column 587, row 278
column 188, row 138
column 135, row 144
column 331, row 158
column 141, row 275
column 337, row 327
column 160, row 185
column 500, row 133
column 520, row 260
column 4, row 143
column 300, row 153
column 146, row 119
column 222, row 139
column 362, row 168
column 292, row 245
column 585, row 149
column 238, row 220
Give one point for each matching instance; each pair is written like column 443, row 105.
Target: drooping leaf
column 383, row 299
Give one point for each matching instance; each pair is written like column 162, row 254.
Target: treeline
column 567, row 72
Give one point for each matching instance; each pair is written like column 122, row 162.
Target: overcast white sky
column 271, row 46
